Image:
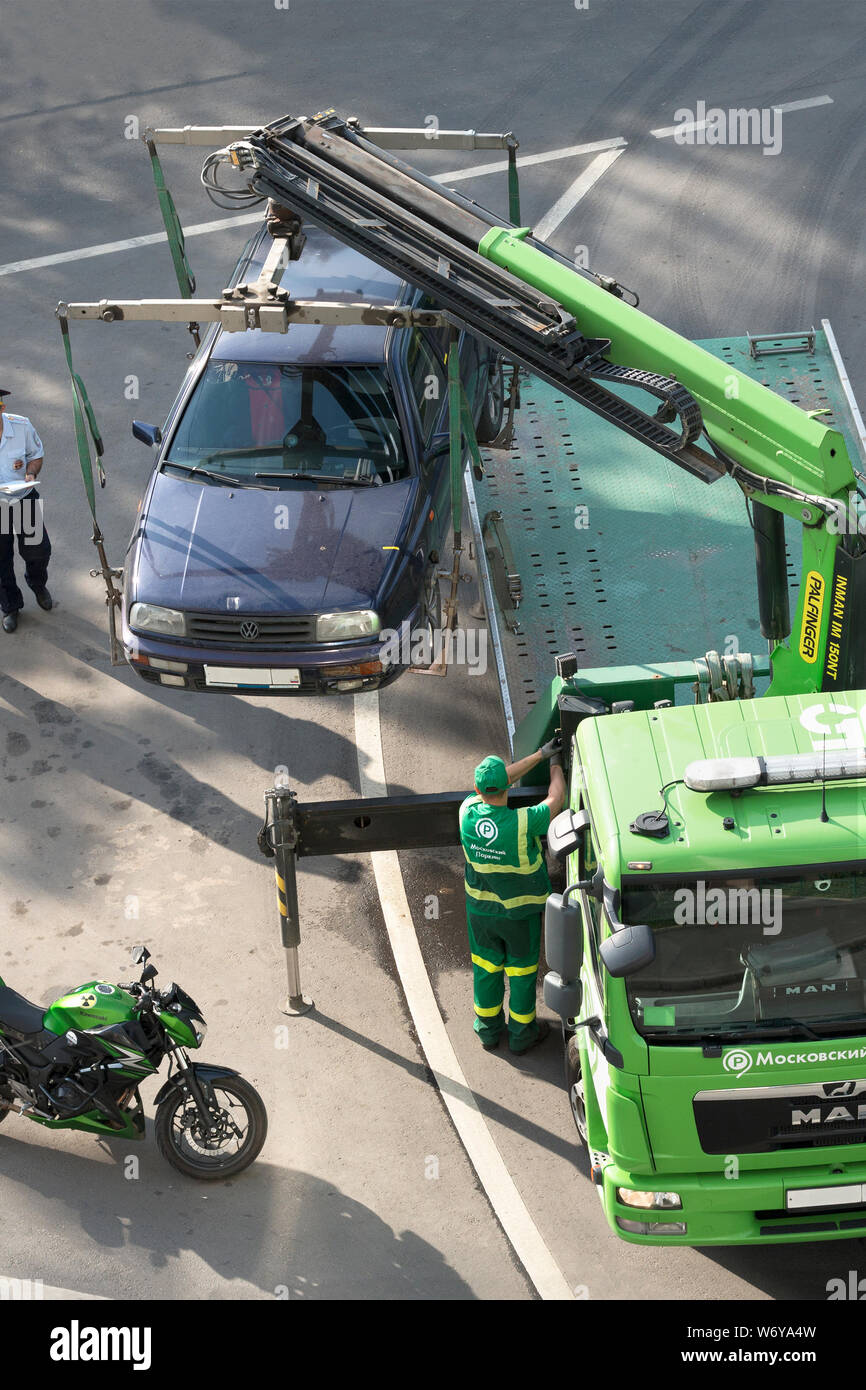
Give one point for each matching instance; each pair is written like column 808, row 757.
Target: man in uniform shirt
column 20, row 461
column 507, row 885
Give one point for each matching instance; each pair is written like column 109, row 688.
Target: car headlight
column 338, row 627
column 149, row 617
column 664, row 1201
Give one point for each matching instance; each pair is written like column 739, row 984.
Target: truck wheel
column 576, row 1089
column 493, row 409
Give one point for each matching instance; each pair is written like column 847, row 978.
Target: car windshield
column 774, row 954
column 285, row 424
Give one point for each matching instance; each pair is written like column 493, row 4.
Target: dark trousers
column 17, row 527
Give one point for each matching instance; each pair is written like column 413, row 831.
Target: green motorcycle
column 78, row 1065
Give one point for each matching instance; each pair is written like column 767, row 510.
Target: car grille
column 254, row 630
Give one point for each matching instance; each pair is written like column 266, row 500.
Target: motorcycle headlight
column 338, row 627
column 149, row 617
column 199, row 1027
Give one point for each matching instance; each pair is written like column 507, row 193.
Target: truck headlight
column 656, row 1201
column 338, row 627
column 149, row 617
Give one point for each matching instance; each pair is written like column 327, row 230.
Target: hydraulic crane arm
column 581, row 335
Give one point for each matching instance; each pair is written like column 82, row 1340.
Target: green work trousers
column 502, row 946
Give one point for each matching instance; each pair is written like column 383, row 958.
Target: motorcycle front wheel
column 241, row 1124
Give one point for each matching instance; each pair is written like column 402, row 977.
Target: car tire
column 493, row 409
column 431, row 609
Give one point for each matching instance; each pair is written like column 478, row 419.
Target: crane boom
column 562, row 324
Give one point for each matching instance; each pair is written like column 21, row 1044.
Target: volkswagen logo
column 249, row 631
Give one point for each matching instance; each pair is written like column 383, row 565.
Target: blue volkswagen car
column 300, row 497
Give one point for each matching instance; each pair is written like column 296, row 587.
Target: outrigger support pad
column 278, row 840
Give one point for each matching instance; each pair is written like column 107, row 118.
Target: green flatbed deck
column 623, row 557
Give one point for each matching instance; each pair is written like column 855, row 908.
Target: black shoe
column 44, row 599
column 543, row 1032
column 10, row 622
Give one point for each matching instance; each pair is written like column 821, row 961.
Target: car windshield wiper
column 740, row 1032
column 322, row 478
column 217, row 477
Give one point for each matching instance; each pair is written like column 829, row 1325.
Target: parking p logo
column 487, row 830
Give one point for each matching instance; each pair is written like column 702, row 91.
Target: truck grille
column 256, row 630
column 765, row 1119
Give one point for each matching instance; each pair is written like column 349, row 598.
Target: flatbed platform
column 622, row 557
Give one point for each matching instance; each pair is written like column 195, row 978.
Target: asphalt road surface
column 130, row 813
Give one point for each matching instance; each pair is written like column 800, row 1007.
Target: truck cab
column 716, row 1059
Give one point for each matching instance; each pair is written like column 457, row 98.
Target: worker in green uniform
column 507, row 885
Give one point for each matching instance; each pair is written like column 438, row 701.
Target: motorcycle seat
column 19, row 1014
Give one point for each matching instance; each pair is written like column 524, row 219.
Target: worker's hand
column 553, row 745
column 556, row 761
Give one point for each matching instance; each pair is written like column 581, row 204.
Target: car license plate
column 243, row 677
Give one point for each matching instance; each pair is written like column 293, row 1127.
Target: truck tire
column 493, row 409
column 576, row 1088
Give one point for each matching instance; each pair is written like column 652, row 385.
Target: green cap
column 490, row 775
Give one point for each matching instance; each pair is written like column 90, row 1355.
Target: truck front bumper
column 733, row 1207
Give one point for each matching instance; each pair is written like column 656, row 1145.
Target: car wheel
column 493, row 409
column 576, row 1089
column 431, row 614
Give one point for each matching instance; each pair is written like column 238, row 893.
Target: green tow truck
column 707, row 957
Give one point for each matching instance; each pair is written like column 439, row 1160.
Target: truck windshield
column 287, row 423
column 771, row 954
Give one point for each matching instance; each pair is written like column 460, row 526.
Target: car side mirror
column 148, row 434
column 628, row 950
column 565, row 833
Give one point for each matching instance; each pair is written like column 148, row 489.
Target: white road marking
column 573, row 194
column 108, row 248
column 688, row 126
column 499, row 166
column 460, row 1102
column 15, row 1289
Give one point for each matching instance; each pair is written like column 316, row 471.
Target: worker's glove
column 553, row 745
column 556, row 760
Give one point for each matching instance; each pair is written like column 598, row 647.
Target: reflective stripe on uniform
column 519, row 969
column 487, row 964
column 521, row 1018
column 530, row 900
column 490, row 1013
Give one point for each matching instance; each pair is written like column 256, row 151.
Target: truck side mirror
column 563, row 947
column 148, row 434
column 628, row 950
column 565, row 833
column 563, row 936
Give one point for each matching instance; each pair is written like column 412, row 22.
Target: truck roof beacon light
column 738, row 774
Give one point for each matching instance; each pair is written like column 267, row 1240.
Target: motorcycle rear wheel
column 182, row 1143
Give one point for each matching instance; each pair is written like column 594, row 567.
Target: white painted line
column 15, row 1289
column 842, row 373
column 569, row 200
column 108, row 248
column 460, row 1102
column 499, row 166
column 687, row 126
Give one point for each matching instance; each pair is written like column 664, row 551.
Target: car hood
column 286, row 551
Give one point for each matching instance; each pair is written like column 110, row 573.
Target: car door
column 426, row 374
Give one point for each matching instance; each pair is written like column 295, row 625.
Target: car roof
column 327, row 270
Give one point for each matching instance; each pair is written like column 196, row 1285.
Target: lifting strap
column 174, row 232
column 86, row 429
